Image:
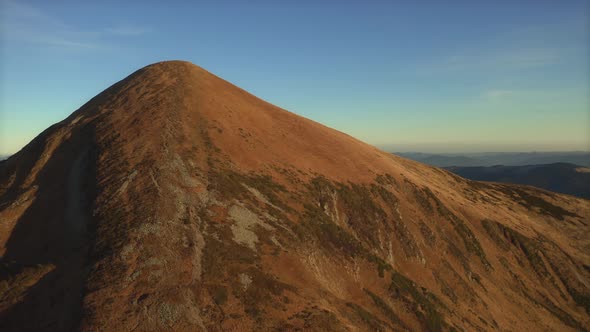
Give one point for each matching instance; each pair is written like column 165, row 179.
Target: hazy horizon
column 447, row 77
column 452, row 148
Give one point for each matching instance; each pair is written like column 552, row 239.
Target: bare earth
column 176, row 201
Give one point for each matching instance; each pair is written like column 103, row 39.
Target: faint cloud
column 25, row 23
column 525, row 58
column 498, row 60
column 524, row 48
column 127, row 30
column 532, row 95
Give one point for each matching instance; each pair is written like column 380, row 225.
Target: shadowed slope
column 210, row 209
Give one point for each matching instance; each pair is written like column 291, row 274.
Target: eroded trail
column 77, row 207
column 77, row 219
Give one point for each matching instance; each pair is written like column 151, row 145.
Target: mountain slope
column 559, row 177
column 174, row 200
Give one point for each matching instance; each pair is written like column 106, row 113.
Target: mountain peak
column 171, row 65
column 175, row 200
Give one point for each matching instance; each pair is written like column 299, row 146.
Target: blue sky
column 452, row 77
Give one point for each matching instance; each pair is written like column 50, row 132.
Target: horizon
column 408, row 150
column 443, row 78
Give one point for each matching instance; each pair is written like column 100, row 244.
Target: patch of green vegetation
column 387, row 196
column 219, row 294
column 529, row 201
column 531, row 250
column 264, row 290
column 455, row 328
column 483, row 321
column 364, row 214
column 477, row 278
column 505, row 237
column 425, row 196
column 385, row 308
column 227, row 184
column 206, row 138
column 421, row 198
column 316, row 319
column 581, row 299
column 422, row 302
column 445, row 288
column 496, row 233
column 460, row 282
column 563, row 316
column 357, row 203
column 470, row 241
column 230, row 185
column 316, row 225
column 291, row 174
column 269, row 188
column 427, row 234
column 505, row 263
column 382, row 266
column 385, row 179
column 457, row 253
column 374, row 323
column 320, row 189
column 430, row 203
column 221, row 252
column 406, row 240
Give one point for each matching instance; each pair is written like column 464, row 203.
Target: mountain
column 560, row 177
column 499, row 158
column 176, row 201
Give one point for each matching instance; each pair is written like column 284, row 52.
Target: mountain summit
column 175, row 200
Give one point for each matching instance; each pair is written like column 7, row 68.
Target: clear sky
column 442, row 76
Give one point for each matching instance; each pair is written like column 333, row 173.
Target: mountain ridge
column 174, row 200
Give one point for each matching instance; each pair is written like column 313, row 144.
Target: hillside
column 560, row 177
column 175, row 201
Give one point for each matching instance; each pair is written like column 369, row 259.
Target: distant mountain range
column 559, row 177
column 499, row 158
column 562, row 172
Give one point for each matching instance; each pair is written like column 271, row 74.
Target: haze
column 450, row 77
